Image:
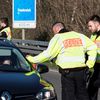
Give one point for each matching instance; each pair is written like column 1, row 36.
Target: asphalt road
column 54, row 77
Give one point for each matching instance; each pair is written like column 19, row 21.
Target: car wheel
column 5, row 96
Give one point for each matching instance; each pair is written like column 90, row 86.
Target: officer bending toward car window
column 69, row 48
column 94, row 27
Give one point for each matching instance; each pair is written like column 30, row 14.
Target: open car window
column 13, row 60
column 21, row 61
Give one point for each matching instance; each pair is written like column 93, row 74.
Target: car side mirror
column 41, row 68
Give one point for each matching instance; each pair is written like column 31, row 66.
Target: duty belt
column 62, row 71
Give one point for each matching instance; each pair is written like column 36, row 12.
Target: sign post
column 24, row 14
column 23, row 34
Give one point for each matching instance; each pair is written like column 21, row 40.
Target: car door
column 19, row 82
column 17, row 77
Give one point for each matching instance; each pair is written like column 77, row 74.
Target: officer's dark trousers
column 74, row 85
column 92, row 88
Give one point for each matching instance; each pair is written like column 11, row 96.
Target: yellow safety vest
column 97, row 41
column 70, row 49
column 7, row 30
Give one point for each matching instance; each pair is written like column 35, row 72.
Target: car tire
column 5, row 95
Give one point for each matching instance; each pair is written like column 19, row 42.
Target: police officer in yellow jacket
column 5, row 31
column 69, row 48
column 94, row 27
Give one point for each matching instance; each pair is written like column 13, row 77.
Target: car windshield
column 12, row 59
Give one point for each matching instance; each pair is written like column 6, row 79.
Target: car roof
column 6, row 43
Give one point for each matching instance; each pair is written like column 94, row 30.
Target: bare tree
column 73, row 13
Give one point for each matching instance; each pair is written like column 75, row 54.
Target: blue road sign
column 24, row 13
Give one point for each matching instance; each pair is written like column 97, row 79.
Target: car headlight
column 46, row 95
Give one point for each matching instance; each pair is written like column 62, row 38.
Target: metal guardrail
column 30, row 46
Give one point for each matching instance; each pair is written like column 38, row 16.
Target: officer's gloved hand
column 29, row 58
column 91, row 70
column 89, row 73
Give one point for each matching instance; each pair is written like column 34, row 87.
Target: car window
column 12, row 60
column 5, row 52
column 21, row 61
column 5, row 59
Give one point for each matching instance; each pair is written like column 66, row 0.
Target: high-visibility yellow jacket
column 7, row 30
column 96, row 39
column 70, row 49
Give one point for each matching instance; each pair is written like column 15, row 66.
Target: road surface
column 54, row 77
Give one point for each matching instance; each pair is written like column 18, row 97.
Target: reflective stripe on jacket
column 97, row 41
column 70, row 49
column 7, row 30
